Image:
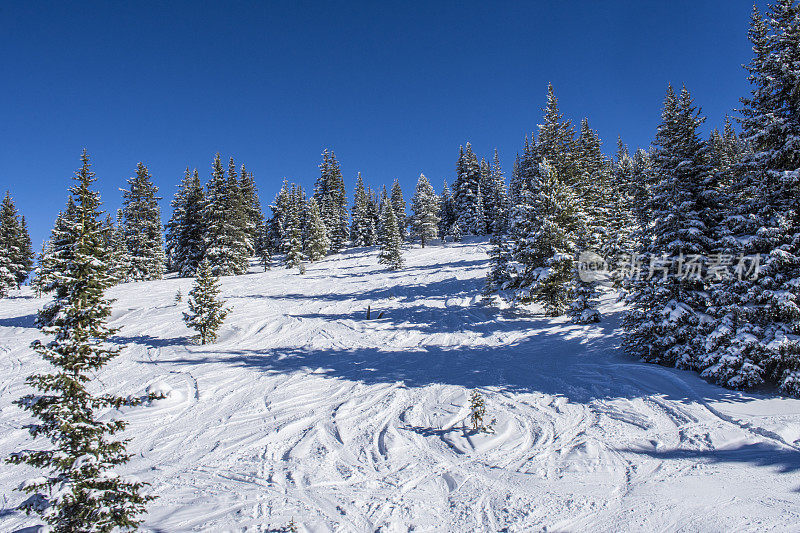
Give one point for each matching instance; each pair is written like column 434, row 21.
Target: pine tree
column 142, row 222
column 276, row 226
column 362, row 230
column 330, row 194
column 80, row 491
column 757, row 315
column 186, row 227
column 390, row 253
column 251, row 207
column 447, row 212
column 207, row 310
column 496, row 198
column 425, row 209
column 293, row 237
column 465, row 194
column 15, row 242
column 318, row 242
column 120, row 260
column 225, row 236
column 399, row 206
column 667, row 308
column 545, row 228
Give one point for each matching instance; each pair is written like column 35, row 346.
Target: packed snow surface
column 304, row 410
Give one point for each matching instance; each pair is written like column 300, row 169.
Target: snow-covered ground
column 303, row 409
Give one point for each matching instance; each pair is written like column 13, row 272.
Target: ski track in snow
column 305, row 410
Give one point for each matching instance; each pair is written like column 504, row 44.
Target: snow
column 305, row 410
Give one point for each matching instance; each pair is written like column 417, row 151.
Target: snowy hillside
column 303, row 409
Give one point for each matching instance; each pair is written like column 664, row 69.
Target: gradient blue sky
column 393, row 87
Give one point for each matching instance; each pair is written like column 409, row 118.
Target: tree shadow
column 783, row 460
column 24, row 321
column 555, row 360
column 149, row 340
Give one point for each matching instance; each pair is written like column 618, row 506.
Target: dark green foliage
column 80, row 490
column 206, row 310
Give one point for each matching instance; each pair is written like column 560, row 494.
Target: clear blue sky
column 393, row 87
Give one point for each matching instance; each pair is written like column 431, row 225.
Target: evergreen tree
column 225, row 236
column 399, row 206
column 330, row 194
column 276, row 227
column 318, row 242
column 207, row 310
column 465, row 194
column 142, row 222
column 390, row 253
column 667, row 308
column 80, row 491
column 556, row 141
column 293, row 240
column 251, row 206
column 120, row 259
column 545, row 227
column 447, row 212
column 425, row 209
column 186, row 228
column 757, row 315
column 362, row 230
column 15, row 242
column 496, row 198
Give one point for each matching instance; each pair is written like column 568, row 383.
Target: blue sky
column 393, row 87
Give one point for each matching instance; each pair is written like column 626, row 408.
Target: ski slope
column 304, row 410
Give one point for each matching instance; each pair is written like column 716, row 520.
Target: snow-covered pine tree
column 225, row 239
column 496, row 198
column 399, row 206
column 293, row 233
column 186, row 227
column 7, row 279
column 251, row 207
column 425, row 209
column 239, row 216
column 556, row 142
column 329, row 191
column 447, row 212
column 15, row 242
column 80, row 489
column 374, row 216
column 40, row 282
column 465, row 191
column 756, row 337
column 207, row 310
column 120, row 259
column 668, row 307
column 276, row 226
column 318, row 243
column 362, row 229
column 390, row 253
column 142, row 222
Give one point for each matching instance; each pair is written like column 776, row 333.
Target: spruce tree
column 447, row 212
column 251, row 207
column 186, row 227
column 425, row 209
column 329, row 191
column 15, row 242
column 142, row 222
column 758, row 313
column 293, row 235
column 318, row 242
column 225, row 237
column 207, row 310
column 120, row 260
column 80, row 490
column 362, row 229
column 399, row 206
column 465, row 193
column 668, row 306
column 390, row 253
